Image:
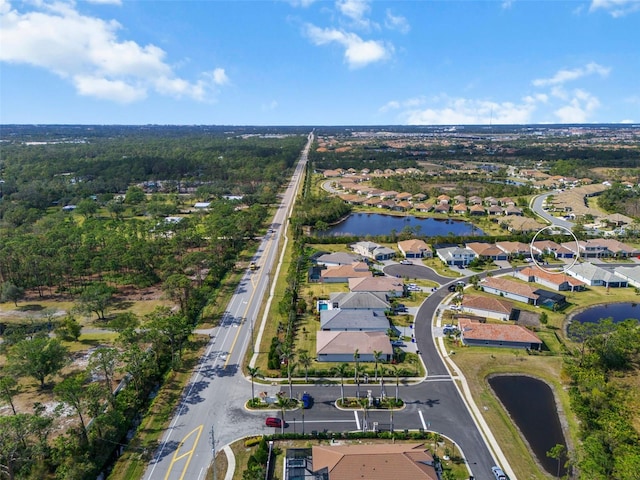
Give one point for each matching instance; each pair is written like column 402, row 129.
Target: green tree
column 377, row 355
column 178, row 289
column 557, row 452
column 169, row 329
column 9, row 388
column 341, row 371
column 305, row 361
column 72, row 391
column 253, row 373
column 134, row 195
column 96, row 298
column 10, row 292
column 69, row 329
column 103, row 362
column 39, row 357
column 87, row 208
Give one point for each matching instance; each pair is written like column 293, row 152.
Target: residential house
column 488, row 307
column 373, row 250
column 359, row 301
column 390, row 286
column 630, row 274
column 495, row 210
column 441, row 208
column 382, row 461
column 522, row 292
column 560, row 282
column 460, row 199
column 353, row 321
column 517, row 224
column 460, row 208
column 342, row 273
column 404, row 196
column 423, row 207
column 487, row 251
column 513, row 210
column 415, row 248
column 492, row 335
column 515, row 249
column 338, row 258
column 340, row 346
column 456, row 255
column 444, row 199
column 477, row 209
column 596, row 276
column 475, row 200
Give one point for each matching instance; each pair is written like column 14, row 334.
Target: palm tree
column 394, row 370
column 341, row 371
column 282, row 404
column 377, row 355
column 286, row 353
column 305, row 360
column 253, row 373
column 356, row 357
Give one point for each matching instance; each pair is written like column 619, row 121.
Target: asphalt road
column 536, row 206
column 214, row 398
column 212, row 404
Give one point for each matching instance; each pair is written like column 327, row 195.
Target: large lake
column 361, row 224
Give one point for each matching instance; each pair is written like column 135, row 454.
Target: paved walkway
column 231, row 462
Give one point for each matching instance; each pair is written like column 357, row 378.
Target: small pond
column 616, row 311
column 532, row 407
column 360, row 224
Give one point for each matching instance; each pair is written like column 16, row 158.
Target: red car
column 273, row 422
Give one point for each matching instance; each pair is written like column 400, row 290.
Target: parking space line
column 424, row 425
column 355, row 413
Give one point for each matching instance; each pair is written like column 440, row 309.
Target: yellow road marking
column 188, row 453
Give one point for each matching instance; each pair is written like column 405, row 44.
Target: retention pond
column 531, row 405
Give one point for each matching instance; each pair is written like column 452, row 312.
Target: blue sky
column 306, row 62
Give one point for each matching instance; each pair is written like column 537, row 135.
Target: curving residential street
column 536, row 206
column 211, row 411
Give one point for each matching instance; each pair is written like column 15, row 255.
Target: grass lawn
column 478, row 363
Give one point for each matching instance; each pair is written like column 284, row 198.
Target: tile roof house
column 359, row 301
column 373, row 250
column 444, row 199
column 548, row 247
column 477, row 209
column 487, row 251
column 513, row 210
column 342, row 273
column 557, row 281
column 353, row 320
column 340, row 346
column 441, row 208
column 415, row 248
column 390, row 286
column 456, row 255
column 522, row 292
column 630, row 274
column 338, row 258
column 596, row 276
column 409, row 461
column 475, row 200
column 488, row 307
column 515, row 249
column 509, row 289
column 460, row 208
column 423, row 207
column 492, row 335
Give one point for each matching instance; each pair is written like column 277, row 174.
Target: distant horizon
column 319, row 62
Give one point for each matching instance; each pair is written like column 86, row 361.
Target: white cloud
column 220, row 77
column 563, row 76
column 356, row 10
column 506, row 4
column 456, row 111
column 396, row 22
column 616, row 8
column 358, row 52
column 627, row 120
column 87, row 51
column 301, row 3
column 115, row 90
column 579, row 108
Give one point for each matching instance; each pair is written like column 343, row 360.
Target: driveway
column 415, row 271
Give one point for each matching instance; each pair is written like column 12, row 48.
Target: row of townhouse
column 594, row 248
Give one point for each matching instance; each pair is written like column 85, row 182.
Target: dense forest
column 89, row 215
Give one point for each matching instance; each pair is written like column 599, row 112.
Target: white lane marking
column 424, row 425
column 355, row 413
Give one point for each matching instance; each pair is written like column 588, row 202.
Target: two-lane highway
column 213, row 401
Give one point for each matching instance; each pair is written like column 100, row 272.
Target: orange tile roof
column 375, row 462
column 555, row 279
column 489, row 304
column 496, row 333
column 510, row 286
